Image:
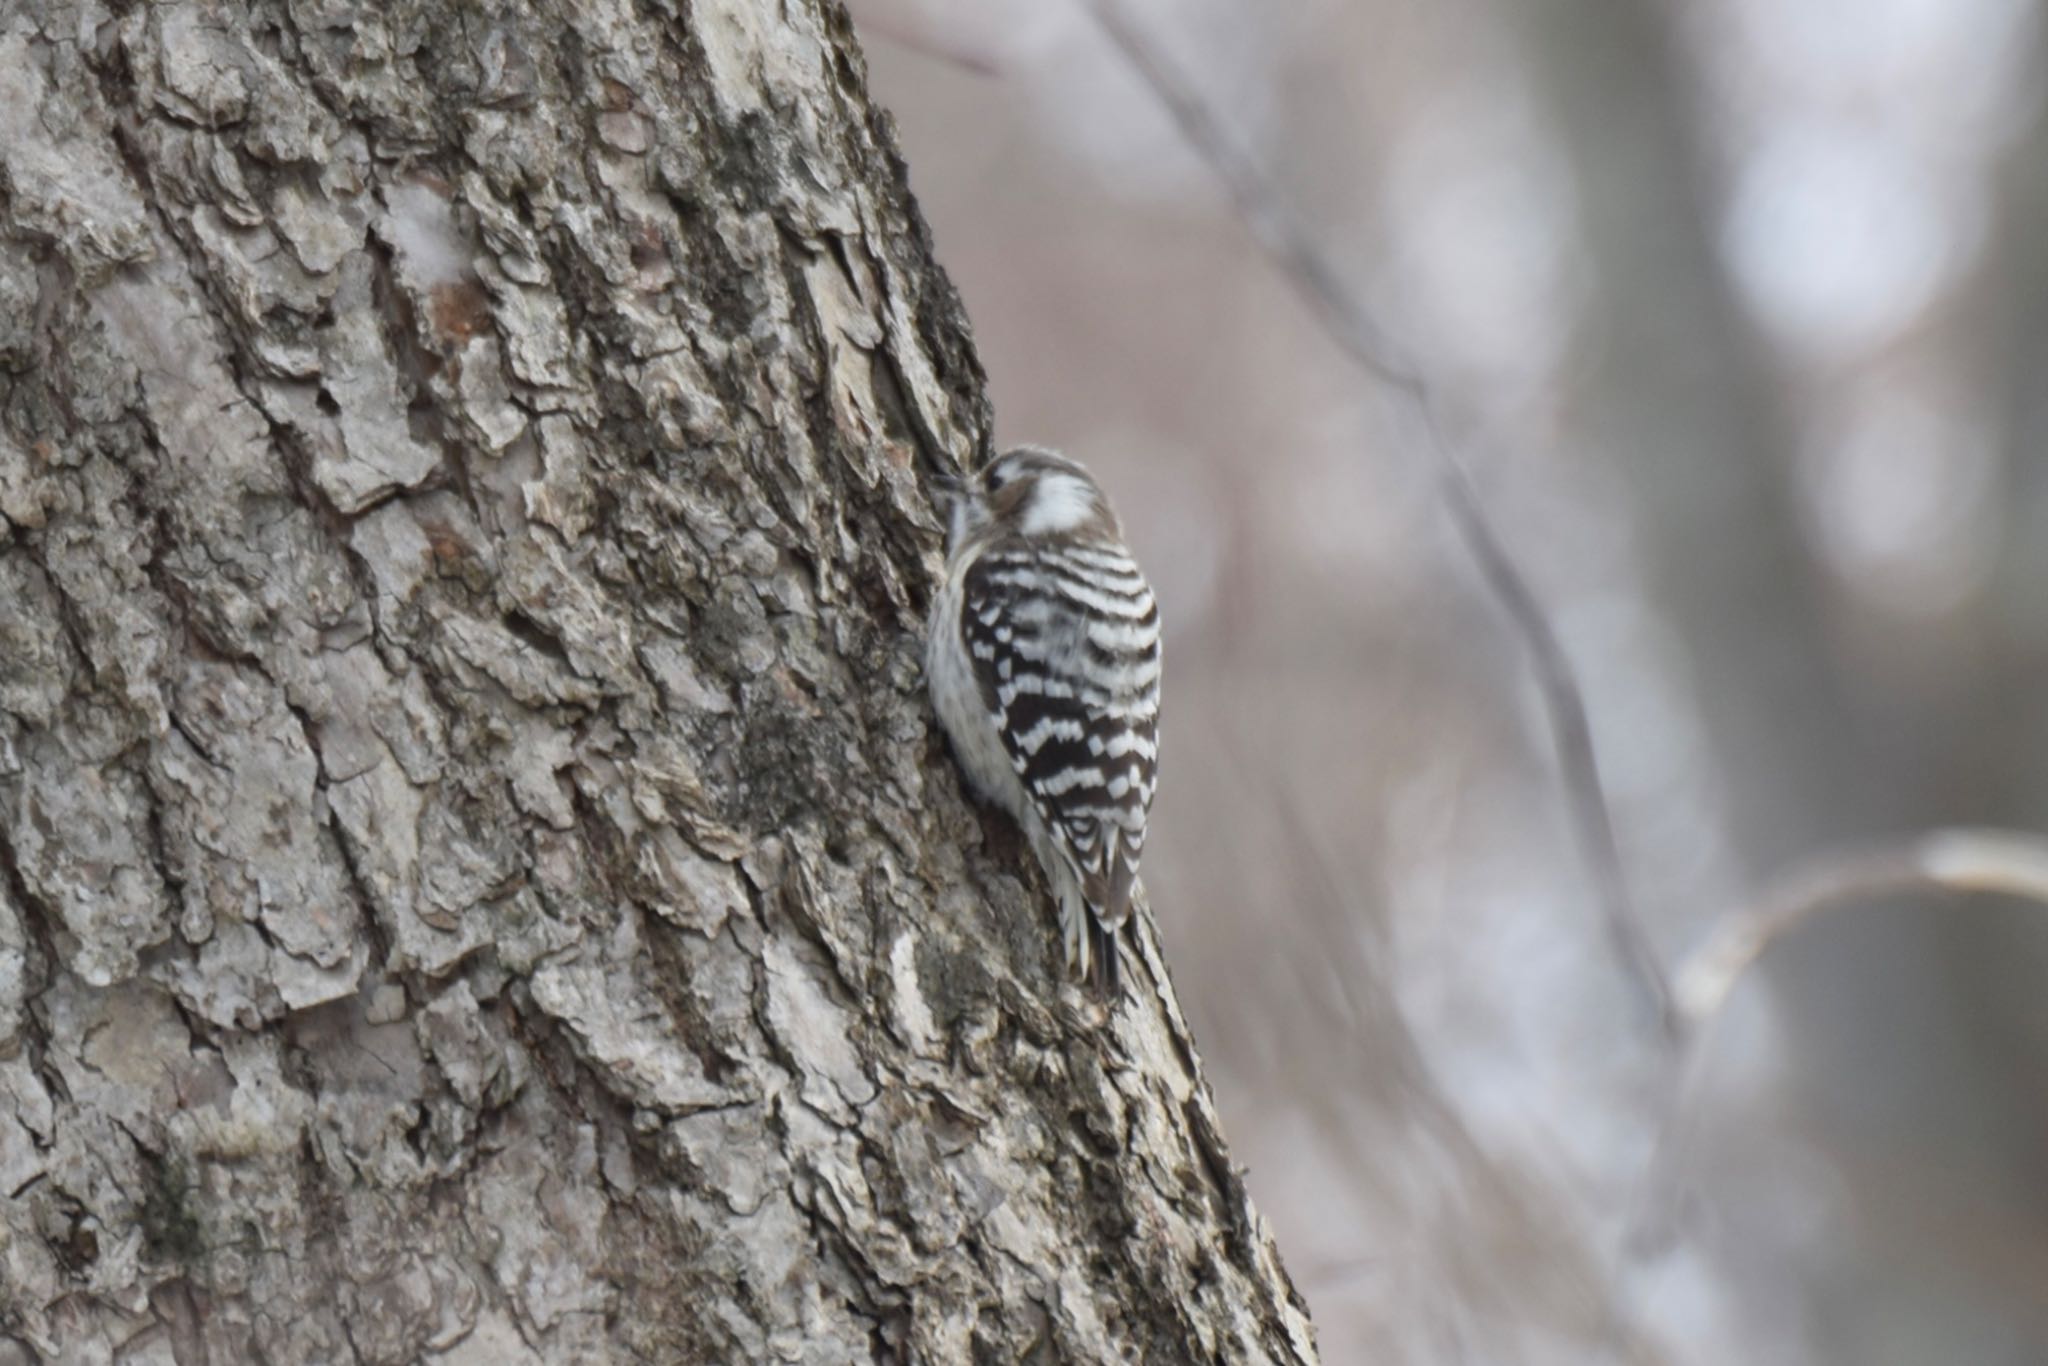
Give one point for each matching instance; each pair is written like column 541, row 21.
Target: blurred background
column 1739, row 309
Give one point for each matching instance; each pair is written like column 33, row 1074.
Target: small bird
column 1043, row 662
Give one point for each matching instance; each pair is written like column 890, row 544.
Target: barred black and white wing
column 1064, row 640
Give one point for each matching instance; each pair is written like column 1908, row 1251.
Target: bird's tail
column 1105, row 974
column 1094, row 902
column 1107, row 887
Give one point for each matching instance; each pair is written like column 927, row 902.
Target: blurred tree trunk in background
column 475, row 880
column 1900, row 1051
column 1679, row 398
column 2008, row 763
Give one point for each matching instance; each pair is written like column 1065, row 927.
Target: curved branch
column 2000, row 862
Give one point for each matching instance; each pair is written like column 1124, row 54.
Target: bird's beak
column 948, row 485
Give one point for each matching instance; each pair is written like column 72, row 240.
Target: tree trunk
column 477, row 878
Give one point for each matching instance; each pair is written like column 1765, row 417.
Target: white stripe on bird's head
column 1060, row 503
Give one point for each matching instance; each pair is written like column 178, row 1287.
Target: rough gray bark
column 477, row 882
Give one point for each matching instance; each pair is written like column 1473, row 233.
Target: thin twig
column 926, row 37
column 1346, row 321
column 2001, row 862
column 2004, row 862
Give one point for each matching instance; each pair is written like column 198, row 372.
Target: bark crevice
column 479, row 881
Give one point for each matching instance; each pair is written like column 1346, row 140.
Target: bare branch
column 2003, row 862
column 925, row 35
column 1346, row 321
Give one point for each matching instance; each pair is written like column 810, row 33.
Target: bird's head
column 1034, row 492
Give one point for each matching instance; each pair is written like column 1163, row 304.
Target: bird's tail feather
column 1105, row 974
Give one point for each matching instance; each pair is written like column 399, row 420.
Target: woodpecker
column 1043, row 663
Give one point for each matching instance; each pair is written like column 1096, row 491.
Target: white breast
column 956, row 696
